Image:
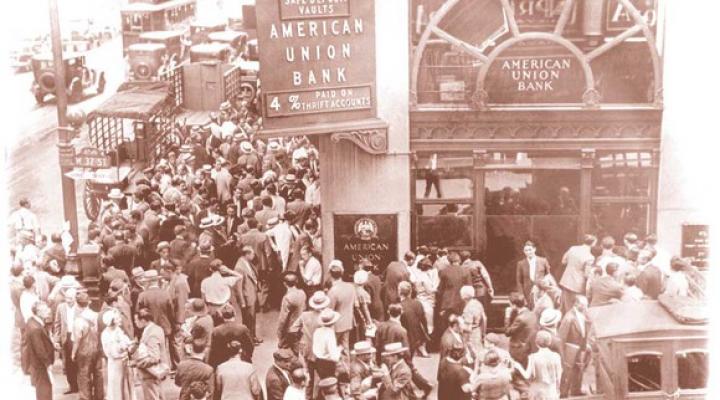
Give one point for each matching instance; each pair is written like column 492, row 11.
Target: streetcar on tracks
column 140, row 17
column 80, row 80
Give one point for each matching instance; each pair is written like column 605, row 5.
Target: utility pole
column 65, row 133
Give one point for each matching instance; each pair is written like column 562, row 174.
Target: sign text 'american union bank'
column 320, row 60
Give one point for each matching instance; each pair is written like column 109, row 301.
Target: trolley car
column 146, row 17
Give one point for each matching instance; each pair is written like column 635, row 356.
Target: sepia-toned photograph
column 359, row 199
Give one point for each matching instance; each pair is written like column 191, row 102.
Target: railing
column 232, row 81
column 105, row 133
column 175, row 77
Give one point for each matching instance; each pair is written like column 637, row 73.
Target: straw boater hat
column 207, row 168
column 290, row 178
column 68, row 282
column 274, row 146
column 116, row 286
column 109, row 316
column 150, row 275
column 360, row 277
column 246, row 147
column 137, row 272
column 162, row 246
column 328, row 317
column 336, row 265
column 550, row 317
column 272, row 222
column 209, row 222
column 115, row 194
column 224, row 106
column 327, row 382
column 393, row 348
column 363, row 347
column 319, row 301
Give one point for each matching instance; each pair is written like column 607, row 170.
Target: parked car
column 79, row 79
column 146, row 60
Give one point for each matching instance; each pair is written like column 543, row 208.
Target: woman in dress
column 543, row 371
column 116, row 345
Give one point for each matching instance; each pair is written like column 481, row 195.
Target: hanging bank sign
column 317, row 61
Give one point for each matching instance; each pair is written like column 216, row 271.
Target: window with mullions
column 692, row 369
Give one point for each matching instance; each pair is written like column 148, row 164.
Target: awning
column 135, row 100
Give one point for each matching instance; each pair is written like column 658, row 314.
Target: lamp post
column 65, row 133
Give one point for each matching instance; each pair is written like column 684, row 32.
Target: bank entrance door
column 491, row 203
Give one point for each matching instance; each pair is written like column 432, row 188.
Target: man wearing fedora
column 163, row 250
column 250, row 289
column 396, row 374
column 157, row 300
column 305, row 326
column 277, row 379
column 198, row 268
column 573, row 333
column 259, row 242
column 342, row 299
column 228, row 331
column 365, row 376
column 62, row 333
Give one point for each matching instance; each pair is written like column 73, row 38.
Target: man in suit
column 259, row 242
column 480, row 277
column 606, row 289
column 62, row 331
column 250, row 284
column 342, row 300
column 397, row 375
column 179, row 291
column 292, row 305
column 396, row 272
column 160, row 305
column 302, row 238
column 452, row 279
column 163, row 250
column 223, row 178
column 573, row 333
column 39, row 351
column 298, row 206
column 152, row 343
column 454, row 376
column 391, row 331
column 413, row 319
column 573, row 278
column 529, row 271
column 374, row 288
column 650, row 279
column 225, row 333
column 198, row 268
column 522, row 327
column 181, row 249
column 267, row 213
column 305, row 326
column 86, row 350
column 124, row 254
column 278, row 375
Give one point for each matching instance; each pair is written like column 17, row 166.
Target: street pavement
column 31, row 156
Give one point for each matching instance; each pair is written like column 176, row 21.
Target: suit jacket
column 125, row 256
column 522, row 277
column 395, row 273
column 397, row 386
column 275, row 384
column 342, row 300
column 451, row 380
column 389, row 332
column 570, row 332
column 60, row 326
column 604, row 289
column 179, row 292
column 292, row 305
column 197, row 269
column 191, row 370
column 260, row 243
column 447, row 341
column 374, row 289
column 182, row 251
column 38, row 349
column 167, row 227
column 573, row 278
column 153, row 340
column 222, row 335
column 520, row 331
column 301, row 210
column 161, row 307
column 452, row 278
column 306, row 325
column 249, row 282
column 414, row 322
column 300, row 241
column 222, row 183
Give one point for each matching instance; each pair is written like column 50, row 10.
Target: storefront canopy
column 135, row 100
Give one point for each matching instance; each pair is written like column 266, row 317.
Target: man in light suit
column 342, row 300
column 152, row 345
column 530, row 271
column 573, row 333
column 223, row 178
column 38, row 351
column 158, row 301
column 249, row 289
column 292, row 305
column 62, row 331
column 574, row 277
column 397, row 375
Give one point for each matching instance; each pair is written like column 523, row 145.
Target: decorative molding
column 588, row 158
column 539, row 130
column 591, row 98
column 372, row 140
column 479, row 99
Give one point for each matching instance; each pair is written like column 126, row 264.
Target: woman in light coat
column 116, row 345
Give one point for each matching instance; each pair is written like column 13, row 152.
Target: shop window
column 538, row 192
column 623, row 175
column 445, row 225
column 692, row 370
column 442, row 184
column 624, row 74
column 617, row 219
column 644, row 373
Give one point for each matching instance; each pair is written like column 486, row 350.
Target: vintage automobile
column 199, row 30
column 235, row 39
column 134, row 129
column 206, row 52
column 78, row 77
column 172, row 40
column 21, row 55
column 642, row 351
column 146, row 60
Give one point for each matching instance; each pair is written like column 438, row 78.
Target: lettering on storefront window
column 618, row 18
column 322, row 57
column 542, row 15
column 535, row 75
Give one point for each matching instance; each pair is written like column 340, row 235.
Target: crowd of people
column 228, row 226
